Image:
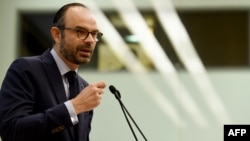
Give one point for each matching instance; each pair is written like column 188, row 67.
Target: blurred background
column 181, row 66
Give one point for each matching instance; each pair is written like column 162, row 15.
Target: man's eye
column 81, row 32
column 94, row 33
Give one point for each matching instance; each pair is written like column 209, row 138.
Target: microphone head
column 115, row 91
column 112, row 89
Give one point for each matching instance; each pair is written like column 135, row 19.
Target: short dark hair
column 60, row 14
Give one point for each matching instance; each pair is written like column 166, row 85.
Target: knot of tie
column 71, row 76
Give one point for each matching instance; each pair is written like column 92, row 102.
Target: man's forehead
column 77, row 10
column 74, row 13
column 80, row 16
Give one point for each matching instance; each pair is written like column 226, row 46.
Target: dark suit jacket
column 32, row 103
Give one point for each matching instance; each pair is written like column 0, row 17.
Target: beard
column 71, row 53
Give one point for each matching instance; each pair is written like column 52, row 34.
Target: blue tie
column 71, row 76
column 73, row 90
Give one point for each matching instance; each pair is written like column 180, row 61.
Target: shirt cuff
column 72, row 113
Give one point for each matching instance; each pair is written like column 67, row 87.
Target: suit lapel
column 54, row 76
column 56, row 82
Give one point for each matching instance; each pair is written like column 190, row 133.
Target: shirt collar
column 63, row 68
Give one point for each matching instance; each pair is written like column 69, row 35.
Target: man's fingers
column 100, row 84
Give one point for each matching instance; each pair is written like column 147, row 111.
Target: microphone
column 125, row 112
column 115, row 92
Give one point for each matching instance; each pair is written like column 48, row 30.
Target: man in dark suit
column 35, row 97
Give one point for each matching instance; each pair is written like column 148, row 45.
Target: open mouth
column 85, row 52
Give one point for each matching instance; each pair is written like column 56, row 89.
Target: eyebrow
column 83, row 28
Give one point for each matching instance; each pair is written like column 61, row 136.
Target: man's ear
column 56, row 34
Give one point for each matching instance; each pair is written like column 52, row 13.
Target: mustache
column 87, row 48
column 84, row 47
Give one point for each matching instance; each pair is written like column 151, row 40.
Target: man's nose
column 90, row 38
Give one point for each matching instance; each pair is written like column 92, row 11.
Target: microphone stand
column 126, row 112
